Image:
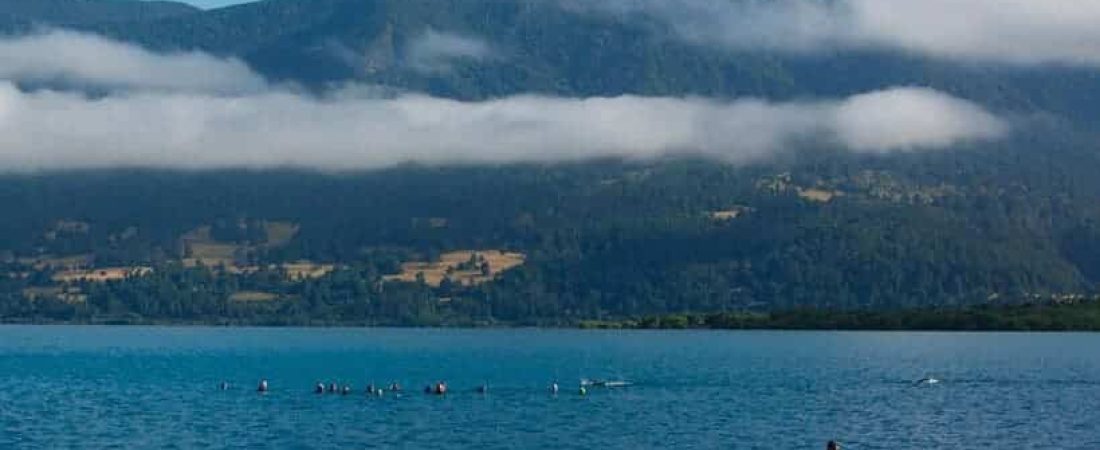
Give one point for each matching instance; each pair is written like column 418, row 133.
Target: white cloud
column 1005, row 31
column 159, row 116
column 908, row 119
column 91, row 61
column 50, row 130
column 435, row 51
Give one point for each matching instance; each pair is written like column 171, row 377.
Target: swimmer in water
column 224, row 386
column 347, row 390
column 483, row 389
column 262, row 387
column 394, row 387
column 319, row 389
column 332, row 388
column 832, row 445
column 554, row 388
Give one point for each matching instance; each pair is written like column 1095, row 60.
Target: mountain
column 17, row 15
column 1008, row 222
column 542, row 47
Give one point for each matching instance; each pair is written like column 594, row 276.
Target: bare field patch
column 462, row 267
column 729, row 214
column 101, row 275
column 252, row 296
column 819, row 195
column 306, row 270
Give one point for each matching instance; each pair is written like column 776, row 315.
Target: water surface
column 133, row 387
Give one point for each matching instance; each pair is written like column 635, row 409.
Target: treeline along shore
column 1080, row 316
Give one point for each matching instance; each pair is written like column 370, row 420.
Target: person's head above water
column 832, row 445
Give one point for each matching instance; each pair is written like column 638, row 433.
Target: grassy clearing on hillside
column 450, row 265
column 101, row 275
column 252, row 296
column 203, row 248
column 303, row 270
column 818, row 195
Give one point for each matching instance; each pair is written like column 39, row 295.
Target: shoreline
column 1083, row 317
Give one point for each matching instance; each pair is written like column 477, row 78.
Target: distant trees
column 603, row 240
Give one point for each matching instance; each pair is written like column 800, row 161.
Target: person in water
column 554, row 388
column 347, row 390
column 224, row 386
column 832, row 445
column 319, row 389
column 262, row 387
column 483, row 389
column 332, row 389
column 440, row 388
column 394, row 387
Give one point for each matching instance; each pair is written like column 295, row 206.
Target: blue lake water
column 131, row 387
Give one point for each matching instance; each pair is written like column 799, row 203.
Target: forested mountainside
column 24, row 15
column 1010, row 220
column 541, row 46
column 569, row 242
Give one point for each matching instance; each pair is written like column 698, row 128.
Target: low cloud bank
column 86, row 60
column 51, row 130
column 436, row 51
column 1005, row 31
column 192, row 110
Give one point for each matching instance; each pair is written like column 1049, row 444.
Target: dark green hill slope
column 22, row 14
column 543, row 48
column 602, row 239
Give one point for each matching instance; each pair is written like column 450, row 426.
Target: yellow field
column 101, row 275
column 729, row 214
column 819, row 195
column 435, row 272
column 252, row 296
column 303, row 270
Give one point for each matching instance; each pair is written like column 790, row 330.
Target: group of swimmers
column 439, row 388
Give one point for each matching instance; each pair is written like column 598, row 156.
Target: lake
column 156, row 387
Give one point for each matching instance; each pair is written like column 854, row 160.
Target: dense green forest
column 1083, row 315
column 608, row 240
